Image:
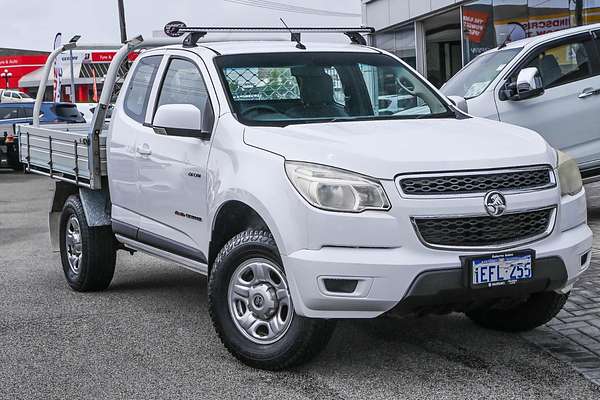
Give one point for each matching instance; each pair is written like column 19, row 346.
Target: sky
column 32, row 24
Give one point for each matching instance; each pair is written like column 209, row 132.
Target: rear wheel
column 537, row 310
column 88, row 254
column 251, row 307
column 13, row 158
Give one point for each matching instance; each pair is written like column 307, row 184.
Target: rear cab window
column 140, row 86
column 67, row 112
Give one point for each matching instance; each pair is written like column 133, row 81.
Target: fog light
column 340, row 285
column 584, row 259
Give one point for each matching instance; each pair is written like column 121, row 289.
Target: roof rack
column 195, row 33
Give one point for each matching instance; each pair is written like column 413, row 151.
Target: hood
column 384, row 149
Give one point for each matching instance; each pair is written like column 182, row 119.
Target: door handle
column 143, row 150
column 589, row 92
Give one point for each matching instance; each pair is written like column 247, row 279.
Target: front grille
column 483, row 231
column 477, row 182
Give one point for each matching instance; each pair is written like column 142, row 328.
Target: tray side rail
column 61, row 155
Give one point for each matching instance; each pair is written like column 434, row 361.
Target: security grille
column 262, row 84
column 271, row 83
column 477, row 183
column 483, row 231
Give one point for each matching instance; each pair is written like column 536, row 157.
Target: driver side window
column 565, row 63
column 183, row 84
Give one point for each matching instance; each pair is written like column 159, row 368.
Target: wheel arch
column 62, row 191
column 96, row 206
column 233, row 217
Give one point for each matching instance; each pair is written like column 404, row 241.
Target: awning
column 33, row 79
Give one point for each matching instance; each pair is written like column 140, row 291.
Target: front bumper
column 387, row 277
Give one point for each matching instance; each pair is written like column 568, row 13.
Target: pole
column 73, row 96
column 578, row 12
column 122, row 21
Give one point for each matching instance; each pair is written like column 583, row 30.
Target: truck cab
column 269, row 167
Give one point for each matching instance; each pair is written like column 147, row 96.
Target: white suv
column 269, row 167
column 548, row 83
column 14, row 96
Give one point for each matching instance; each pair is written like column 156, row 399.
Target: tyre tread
column 538, row 310
column 99, row 255
column 316, row 336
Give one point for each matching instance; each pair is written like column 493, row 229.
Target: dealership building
column 438, row 37
column 22, row 70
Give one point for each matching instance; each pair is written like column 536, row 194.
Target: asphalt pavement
column 149, row 336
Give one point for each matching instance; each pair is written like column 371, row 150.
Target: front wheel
column 537, row 310
column 251, row 307
column 88, row 254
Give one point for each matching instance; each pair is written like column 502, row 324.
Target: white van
column 548, row 83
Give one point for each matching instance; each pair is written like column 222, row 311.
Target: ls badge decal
column 186, row 215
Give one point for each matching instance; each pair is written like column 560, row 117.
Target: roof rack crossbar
column 177, row 28
column 189, row 29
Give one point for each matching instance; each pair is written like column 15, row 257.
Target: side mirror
column 529, row 84
column 179, row 120
column 460, row 103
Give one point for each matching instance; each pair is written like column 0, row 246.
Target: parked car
column 14, row 96
column 548, row 83
column 392, row 104
column 87, row 110
column 9, row 150
column 22, row 113
column 50, row 113
column 302, row 210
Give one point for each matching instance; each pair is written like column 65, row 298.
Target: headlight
column 568, row 174
column 336, row 190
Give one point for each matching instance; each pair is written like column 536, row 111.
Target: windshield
column 287, row 88
column 476, row 76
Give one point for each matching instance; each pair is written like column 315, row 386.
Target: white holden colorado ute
column 268, row 167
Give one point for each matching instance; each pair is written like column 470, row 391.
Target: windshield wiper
column 337, row 119
column 441, row 115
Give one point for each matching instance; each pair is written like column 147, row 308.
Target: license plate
column 500, row 269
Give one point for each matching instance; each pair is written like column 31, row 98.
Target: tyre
column 537, row 310
column 88, row 254
column 251, row 307
column 13, row 160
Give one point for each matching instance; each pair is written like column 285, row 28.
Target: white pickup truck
column 268, row 167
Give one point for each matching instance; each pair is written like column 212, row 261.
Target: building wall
column 383, row 13
column 413, row 29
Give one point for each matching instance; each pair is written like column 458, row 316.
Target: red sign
column 107, row 56
column 102, row 56
column 19, row 66
column 13, row 61
column 475, row 23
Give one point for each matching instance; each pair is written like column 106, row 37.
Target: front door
column 128, row 123
column 566, row 114
column 172, row 169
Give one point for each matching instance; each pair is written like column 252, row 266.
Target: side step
column 192, row 265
